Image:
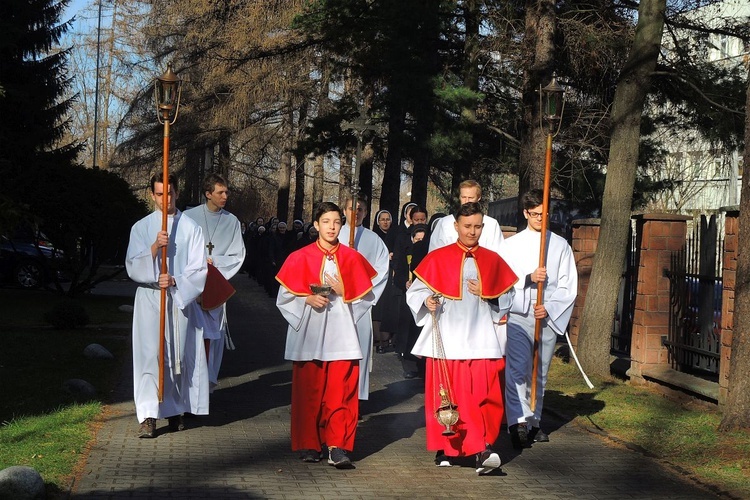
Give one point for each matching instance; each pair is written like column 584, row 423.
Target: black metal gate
column 623, row 325
column 695, row 288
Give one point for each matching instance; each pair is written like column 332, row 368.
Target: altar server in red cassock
column 477, row 290
column 322, row 339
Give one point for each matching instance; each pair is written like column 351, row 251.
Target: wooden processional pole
column 164, row 214
column 542, row 263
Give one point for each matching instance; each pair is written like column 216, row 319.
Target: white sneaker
column 487, row 461
column 441, row 460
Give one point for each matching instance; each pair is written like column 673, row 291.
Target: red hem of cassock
column 477, row 390
column 325, row 404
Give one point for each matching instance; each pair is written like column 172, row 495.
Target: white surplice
column 372, row 248
column 445, row 233
column 521, row 252
column 223, row 232
column 327, row 334
column 185, row 367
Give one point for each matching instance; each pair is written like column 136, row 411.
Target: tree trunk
column 345, row 174
column 285, row 183
column 462, row 169
column 365, row 178
column 540, row 27
column 540, row 31
column 299, row 187
column 632, row 88
column 317, row 196
column 191, row 190
column 421, row 163
column 299, row 173
column 225, row 162
column 107, row 98
column 285, row 167
column 737, row 408
column 390, row 194
column 424, row 106
column 324, row 106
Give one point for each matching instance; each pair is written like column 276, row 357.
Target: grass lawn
column 41, row 425
column 684, row 434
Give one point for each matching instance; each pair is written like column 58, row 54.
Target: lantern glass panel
column 553, row 104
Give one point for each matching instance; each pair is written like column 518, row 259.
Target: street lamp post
column 551, row 104
column 167, row 92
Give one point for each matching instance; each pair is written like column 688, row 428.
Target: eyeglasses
column 535, row 215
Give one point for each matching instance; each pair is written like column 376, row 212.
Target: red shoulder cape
column 305, row 267
column 442, row 271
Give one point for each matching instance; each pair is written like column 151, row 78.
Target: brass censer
column 447, row 413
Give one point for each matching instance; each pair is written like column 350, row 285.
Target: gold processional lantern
column 167, row 92
column 552, row 103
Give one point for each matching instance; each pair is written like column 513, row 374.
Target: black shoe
column 337, row 457
column 537, row 435
column 311, row 456
column 519, row 436
column 487, row 461
column 441, row 460
column 410, row 375
column 380, row 349
column 148, row 428
column 176, row 423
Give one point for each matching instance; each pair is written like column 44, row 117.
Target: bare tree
column 630, row 96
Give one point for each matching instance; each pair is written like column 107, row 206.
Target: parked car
column 28, row 259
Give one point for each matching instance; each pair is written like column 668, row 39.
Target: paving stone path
column 241, row 450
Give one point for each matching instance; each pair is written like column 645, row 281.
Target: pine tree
column 33, row 75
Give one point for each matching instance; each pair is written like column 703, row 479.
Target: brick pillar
column 729, row 270
column 659, row 235
column 585, row 240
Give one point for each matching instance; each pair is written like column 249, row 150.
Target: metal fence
column 623, row 325
column 695, row 295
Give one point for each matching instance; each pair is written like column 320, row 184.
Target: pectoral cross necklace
column 210, row 245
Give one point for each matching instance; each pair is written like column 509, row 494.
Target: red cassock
column 477, row 385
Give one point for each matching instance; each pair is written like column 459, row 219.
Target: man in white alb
column 469, row 191
column 225, row 249
column 372, row 247
column 560, row 278
column 185, row 375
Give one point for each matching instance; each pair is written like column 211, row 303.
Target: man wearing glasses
column 560, row 279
